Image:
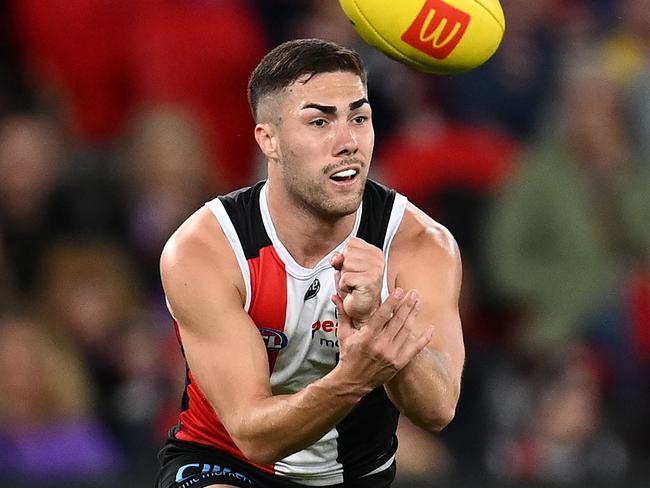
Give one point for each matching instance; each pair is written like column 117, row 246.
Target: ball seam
column 503, row 27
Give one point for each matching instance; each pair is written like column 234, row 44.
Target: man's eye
column 319, row 122
column 360, row 119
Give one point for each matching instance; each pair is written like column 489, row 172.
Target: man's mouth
column 344, row 175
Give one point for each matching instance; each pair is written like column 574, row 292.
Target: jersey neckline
column 291, row 265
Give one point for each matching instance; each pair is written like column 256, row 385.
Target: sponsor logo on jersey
column 327, row 326
column 194, row 472
column 437, row 29
column 327, row 338
column 274, row 339
column 313, row 289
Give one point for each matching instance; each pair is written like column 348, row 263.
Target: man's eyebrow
column 358, row 103
column 328, row 109
column 331, row 109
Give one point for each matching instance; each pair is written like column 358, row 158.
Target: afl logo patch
column 274, row 339
column 312, row 291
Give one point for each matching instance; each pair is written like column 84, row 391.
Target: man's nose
column 345, row 141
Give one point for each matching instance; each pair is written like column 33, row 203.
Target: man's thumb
column 345, row 322
column 337, row 261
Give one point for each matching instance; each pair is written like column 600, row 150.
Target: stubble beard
column 312, row 197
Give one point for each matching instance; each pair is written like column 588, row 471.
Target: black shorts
column 189, row 465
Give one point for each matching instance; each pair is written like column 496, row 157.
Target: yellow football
column 434, row 36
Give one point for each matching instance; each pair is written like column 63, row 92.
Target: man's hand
column 372, row 355
column 359, row 278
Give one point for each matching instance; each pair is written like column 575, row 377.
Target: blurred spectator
column 30, row 164
column 635, row 401
column 573, row 221
column 89, row 291
column 627, row 55
column 48, row 429
column 164, row 167
column 639, row 101
column 565, row 437
column 146, row 385
column 199, row 55
column 568, row 235
column 626, row 48
column 89, row 200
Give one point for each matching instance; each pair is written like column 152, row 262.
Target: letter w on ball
column 437, row 29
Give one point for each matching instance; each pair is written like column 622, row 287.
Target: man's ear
column 265, row 135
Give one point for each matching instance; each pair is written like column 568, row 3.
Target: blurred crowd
column 119, row 118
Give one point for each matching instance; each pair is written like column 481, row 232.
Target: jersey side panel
column 198, row 422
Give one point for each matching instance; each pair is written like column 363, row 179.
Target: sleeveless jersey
column 292, row 309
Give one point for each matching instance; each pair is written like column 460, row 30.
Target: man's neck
column 306, row 236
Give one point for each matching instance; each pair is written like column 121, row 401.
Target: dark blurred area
column 119, row 118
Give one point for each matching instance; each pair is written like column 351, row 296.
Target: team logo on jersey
column 274, row 339
column 312, row 291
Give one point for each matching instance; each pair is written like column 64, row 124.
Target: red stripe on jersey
column 201, row 424
column 268, row 307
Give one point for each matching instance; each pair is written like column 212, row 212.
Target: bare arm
column 424, row 257
column 226, row 353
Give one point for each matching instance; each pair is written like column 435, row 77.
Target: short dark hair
column 287, row 62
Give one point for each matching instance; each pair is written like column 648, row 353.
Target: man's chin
column 342, row 207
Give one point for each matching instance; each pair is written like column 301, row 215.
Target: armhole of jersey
column 169, row 309
column 396, row 215
column 223, row 218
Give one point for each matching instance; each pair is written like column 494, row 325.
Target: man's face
column 325, row 140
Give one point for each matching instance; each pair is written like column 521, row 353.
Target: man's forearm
column 425, row 390
column 274, row 427
column 270, row 427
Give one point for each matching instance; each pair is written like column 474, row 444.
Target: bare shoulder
column 424, row 256
column 199, row 239
column 419, row 235
column 197, row 255
column 422, row 251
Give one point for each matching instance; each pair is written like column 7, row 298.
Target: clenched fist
column 359, row 278
column 372, row 355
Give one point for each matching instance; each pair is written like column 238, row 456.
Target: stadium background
column 118, row 118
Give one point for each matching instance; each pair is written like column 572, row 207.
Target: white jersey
column 291, row 306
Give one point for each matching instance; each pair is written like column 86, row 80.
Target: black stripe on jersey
column 377, row 205
column 243, row 208
column 367, row 437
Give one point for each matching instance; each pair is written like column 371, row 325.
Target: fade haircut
column 291, row 60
